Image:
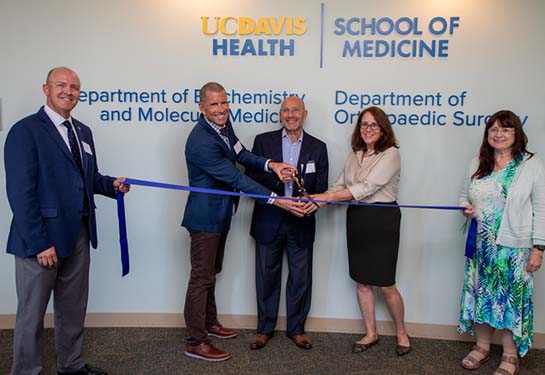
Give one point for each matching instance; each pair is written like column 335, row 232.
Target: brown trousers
column 200, row 312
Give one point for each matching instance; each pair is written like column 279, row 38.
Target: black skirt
column 372, row 235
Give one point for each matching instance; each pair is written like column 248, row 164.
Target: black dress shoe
column 86, row 370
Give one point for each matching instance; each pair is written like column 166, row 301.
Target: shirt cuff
column 266, row 167
column 539, row 247
column 355, row 192
column 271, row 199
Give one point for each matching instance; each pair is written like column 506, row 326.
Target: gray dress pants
column 69, row 283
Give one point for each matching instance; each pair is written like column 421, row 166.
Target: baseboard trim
column 431, row 331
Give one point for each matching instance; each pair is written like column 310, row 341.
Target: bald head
column 293, row 101
column 292, row 115
column 62, row 88
column 60, row 69
column 212, row 87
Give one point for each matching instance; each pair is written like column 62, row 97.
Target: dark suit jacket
column 211, row 164
column 45, row 187
column 266, row 219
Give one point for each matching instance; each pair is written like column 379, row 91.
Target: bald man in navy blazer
column 275, row 231
column 51, row 178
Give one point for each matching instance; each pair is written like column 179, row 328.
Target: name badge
column 238, row 147
column 87, row 148
column 311, row 167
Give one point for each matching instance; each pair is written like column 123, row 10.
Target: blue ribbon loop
column 123, row 225
column 123, row 243
column 471, row 241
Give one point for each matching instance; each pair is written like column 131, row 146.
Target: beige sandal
column 474, row 363
column 509, row 359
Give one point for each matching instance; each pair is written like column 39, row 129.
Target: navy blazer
column 45, row 188
column 266, row 219
column 211, row 164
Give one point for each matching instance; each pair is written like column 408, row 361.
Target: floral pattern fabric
column 497, row 288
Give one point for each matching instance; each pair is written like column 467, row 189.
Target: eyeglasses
column 501, row 130
column 372, row 125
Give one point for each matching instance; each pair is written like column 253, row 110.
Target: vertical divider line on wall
column 322, row 36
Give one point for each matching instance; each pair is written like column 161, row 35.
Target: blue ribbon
column 129, row 181
column 471, row 241
column 123, row 243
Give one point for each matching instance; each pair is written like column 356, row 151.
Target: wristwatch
column 540, row 247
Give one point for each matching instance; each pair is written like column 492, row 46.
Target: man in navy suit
column 51, row 179
column 211, row 153
column 275, row 231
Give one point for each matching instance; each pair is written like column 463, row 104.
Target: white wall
column 495, row 55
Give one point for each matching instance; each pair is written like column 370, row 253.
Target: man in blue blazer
column 275, row 231
column 211, row 153
column 51, row 179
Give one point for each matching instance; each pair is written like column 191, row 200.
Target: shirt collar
column 217, row 128
column 285, row 135
column 55, row 118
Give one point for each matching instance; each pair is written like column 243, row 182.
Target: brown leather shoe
column 207, row 352
column 221, row 332
column 260, row 341
column 301, row 341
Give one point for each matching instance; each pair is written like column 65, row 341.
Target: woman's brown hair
column 388, row 138
column 505, row 119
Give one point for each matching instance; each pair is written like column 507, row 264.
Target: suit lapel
column 231, row 136
column 54, row 133
column 277, row 154
column 304, row 153
column 280, row 142
column 215, row 134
